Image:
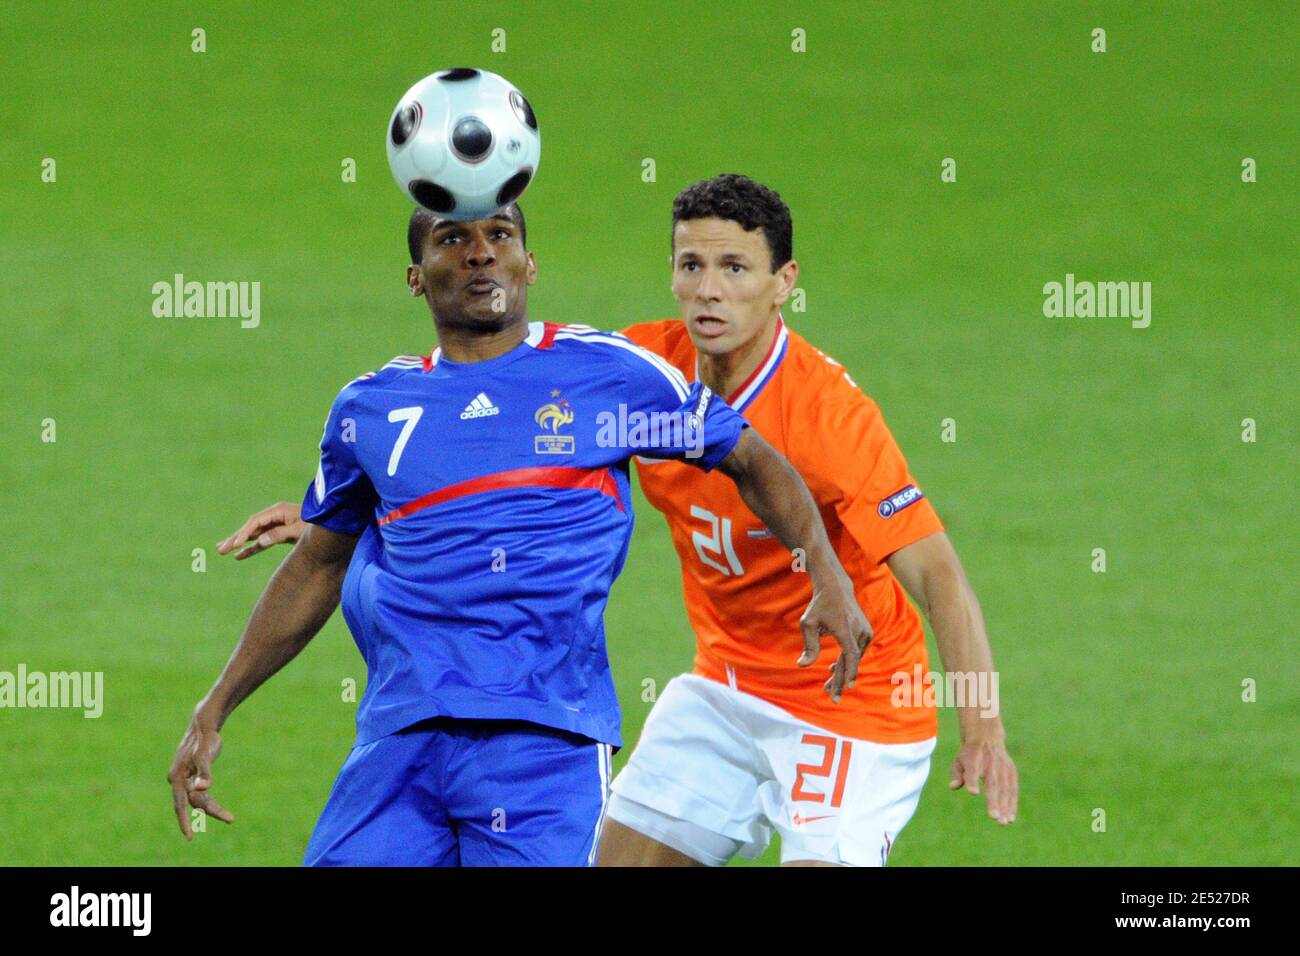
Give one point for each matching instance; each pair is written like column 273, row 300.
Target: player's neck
column 726, row 373
column 461, row 344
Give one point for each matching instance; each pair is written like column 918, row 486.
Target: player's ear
column 786, row 277
column 530, row 272
column 414, row 280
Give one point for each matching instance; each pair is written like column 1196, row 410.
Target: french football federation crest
column 554, row 415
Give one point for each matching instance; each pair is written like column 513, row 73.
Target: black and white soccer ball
column 463, row 143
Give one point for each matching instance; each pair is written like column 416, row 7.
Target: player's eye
column 737, row 267
column 502, row 232
column 689, row 266
column 447, row 238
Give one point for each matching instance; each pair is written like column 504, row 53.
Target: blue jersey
column 499, row 511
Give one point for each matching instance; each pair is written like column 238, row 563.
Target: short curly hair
column 741, row 200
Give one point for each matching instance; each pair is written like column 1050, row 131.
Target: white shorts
column 717, row 771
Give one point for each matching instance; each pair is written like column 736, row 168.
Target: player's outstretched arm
column 297, row 601
column 777, row 495
column 933, row 575
column 280, row 523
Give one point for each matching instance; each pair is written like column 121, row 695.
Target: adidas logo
column 481, row 407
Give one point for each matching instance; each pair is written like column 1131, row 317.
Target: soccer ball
column 463, row 143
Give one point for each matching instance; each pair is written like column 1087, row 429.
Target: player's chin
column 483, row 313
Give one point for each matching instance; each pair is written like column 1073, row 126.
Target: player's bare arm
column 297, row 601
column 777, row 495
column 933, row 575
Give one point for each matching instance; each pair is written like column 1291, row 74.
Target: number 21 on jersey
column 716, row 544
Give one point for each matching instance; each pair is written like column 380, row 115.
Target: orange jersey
column 743, row 595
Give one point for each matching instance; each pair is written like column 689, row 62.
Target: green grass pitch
column 1122, row 691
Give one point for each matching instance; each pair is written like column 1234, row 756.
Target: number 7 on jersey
column 411, row 416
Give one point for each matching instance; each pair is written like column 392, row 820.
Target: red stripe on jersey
column 548, row 335
column 754, row 374
column 552, row 476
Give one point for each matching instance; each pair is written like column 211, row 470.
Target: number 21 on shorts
column 829, row 763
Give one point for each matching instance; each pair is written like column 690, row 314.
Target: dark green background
column 1121, row 691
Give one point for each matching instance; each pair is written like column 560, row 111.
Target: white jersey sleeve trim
column 674, row 377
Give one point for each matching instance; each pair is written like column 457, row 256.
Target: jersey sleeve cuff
column 715, row 454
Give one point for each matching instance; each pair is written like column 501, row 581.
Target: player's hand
column 989, row 761
column 834, row 610
column 279, row 523
column 191, row 775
